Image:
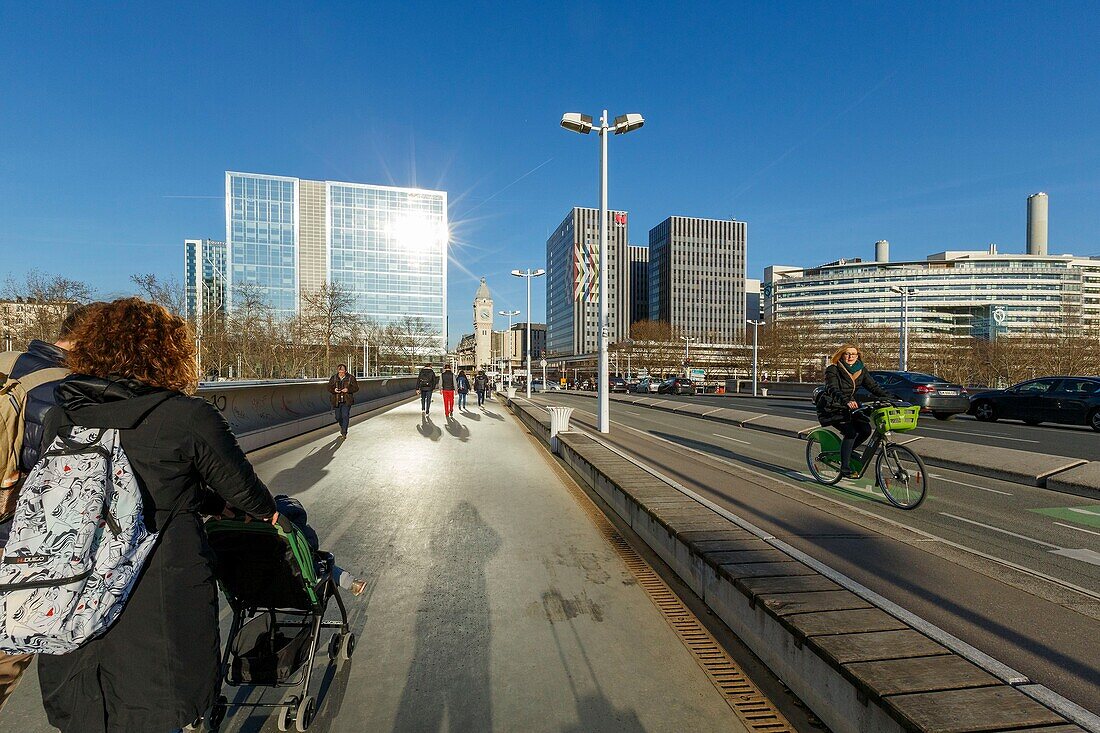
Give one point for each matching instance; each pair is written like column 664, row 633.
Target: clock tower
column 483, row 327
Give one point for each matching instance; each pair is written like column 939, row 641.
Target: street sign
column 543, row 363
column 697, row 375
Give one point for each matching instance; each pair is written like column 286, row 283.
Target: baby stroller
column 279, row 589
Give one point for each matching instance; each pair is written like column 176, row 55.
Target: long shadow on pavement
column 428, row 429
column 307, row 472
column 457, row 429
column 449, row 674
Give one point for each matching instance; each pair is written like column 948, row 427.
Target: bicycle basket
column 896, row 419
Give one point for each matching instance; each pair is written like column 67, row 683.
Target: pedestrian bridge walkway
column 493, row 601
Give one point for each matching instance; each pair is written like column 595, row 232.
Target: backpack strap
column 34, row 379
column 7, row 361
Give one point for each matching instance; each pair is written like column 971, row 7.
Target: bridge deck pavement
column 492, row 603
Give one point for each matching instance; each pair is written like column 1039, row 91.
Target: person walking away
column 28, row 378
column 426, row 381
column 448, row 389
column 463, row 383
column 843, row 377
column 157, row 667
column 481, row 386
column 342, row 386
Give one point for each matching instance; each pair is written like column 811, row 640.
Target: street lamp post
column 755, row 381
column 903, row 338
column 529, row 275
column 687, row 353
column 510, row 314
column 582, row 124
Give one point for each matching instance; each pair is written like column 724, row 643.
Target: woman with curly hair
column 156, row 668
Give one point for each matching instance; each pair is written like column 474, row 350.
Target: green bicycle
column 899, row 472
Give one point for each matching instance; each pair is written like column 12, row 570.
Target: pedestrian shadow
column 492, row 414
column 428, row 429
column 449, row 675
column 470, row 415
column 306, row 472
column 457, row 429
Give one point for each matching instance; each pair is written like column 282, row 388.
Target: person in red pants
column 447, row 386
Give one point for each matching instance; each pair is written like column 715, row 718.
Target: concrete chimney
column 1037, row 224
column 882, row 251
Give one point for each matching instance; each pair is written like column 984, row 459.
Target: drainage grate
column 746, row 700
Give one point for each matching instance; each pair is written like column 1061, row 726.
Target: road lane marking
column 980, row 435
column 1084, row 511
column 735, row 440
column 1090, row 556
column 960, row 483
column 1079, row 529
column 1003, row 531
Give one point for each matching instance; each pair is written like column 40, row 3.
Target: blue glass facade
column 388, row 246
column 261, row 227
column 204, row 277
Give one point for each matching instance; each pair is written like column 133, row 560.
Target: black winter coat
column 39, row 355
column 426, row 379
column 840, row 389
column 156, row 668
column 481, row 383
column 448, row 380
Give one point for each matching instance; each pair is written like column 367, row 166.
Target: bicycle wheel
column 902, row 476
column 824, row 464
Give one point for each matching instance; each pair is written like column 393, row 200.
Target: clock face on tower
column 483, row 314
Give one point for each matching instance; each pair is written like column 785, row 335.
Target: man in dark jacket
column 425, row 384
column 342, row 386
column 843, row 377
column 481, row 386
column 38, row 357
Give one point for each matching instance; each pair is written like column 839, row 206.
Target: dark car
column 676, row 385
column 1066, row 400
column 938, row 396
column 617, row 384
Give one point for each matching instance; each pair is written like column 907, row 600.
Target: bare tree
column 41, row 302
column 168, row 292
column 328, row 310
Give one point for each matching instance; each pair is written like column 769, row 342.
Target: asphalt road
column 1011, row 569
column 1061, row 440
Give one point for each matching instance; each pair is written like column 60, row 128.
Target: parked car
column 938, row 396
column 1065, row 400
column 537, row 385
column 676, row 385
column 617, row 384
column 645, row 385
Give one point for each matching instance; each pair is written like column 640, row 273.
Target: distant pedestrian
column 342, row 386
column 425, row 384
column 448, row 389
column 481, row 386
column 463, row 383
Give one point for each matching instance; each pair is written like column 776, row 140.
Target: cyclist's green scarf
column 856, row 368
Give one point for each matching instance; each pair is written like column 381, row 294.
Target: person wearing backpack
column 447, row 387
column 463, row 384
column 481, row 386
column 156, row 666
column 27, row 382
column 426, row 381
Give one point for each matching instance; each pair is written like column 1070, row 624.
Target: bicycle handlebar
column 876, row 404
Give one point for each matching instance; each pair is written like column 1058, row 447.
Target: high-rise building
column 483, row 327
column 386, row 246
column 572, row 284
column 639, row 283
column 697, row 277
column 204, row 262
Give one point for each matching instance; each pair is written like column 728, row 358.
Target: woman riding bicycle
column 844, row 375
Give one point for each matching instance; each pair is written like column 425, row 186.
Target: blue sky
column 825, row 126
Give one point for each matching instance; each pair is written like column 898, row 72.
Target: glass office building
column 386, row 245
column 204, row 263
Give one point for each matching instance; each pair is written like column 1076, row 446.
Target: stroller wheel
column 347, row 647
column 304, row 716
column 286, row 713
column 334, row 646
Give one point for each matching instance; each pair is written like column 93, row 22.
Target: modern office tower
column 697, row 277
column 639, row 283
column 957, row 293
column 572, row 285
column 204, row 262
column 483, row 327
column 752, row 299
column 387, row 246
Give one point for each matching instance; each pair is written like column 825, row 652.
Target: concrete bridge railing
column 265, row 412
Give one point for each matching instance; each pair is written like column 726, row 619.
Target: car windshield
column 921, row 378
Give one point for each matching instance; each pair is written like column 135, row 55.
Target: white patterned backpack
column 77, row 544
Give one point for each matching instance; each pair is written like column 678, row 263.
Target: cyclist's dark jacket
column 840, row 389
